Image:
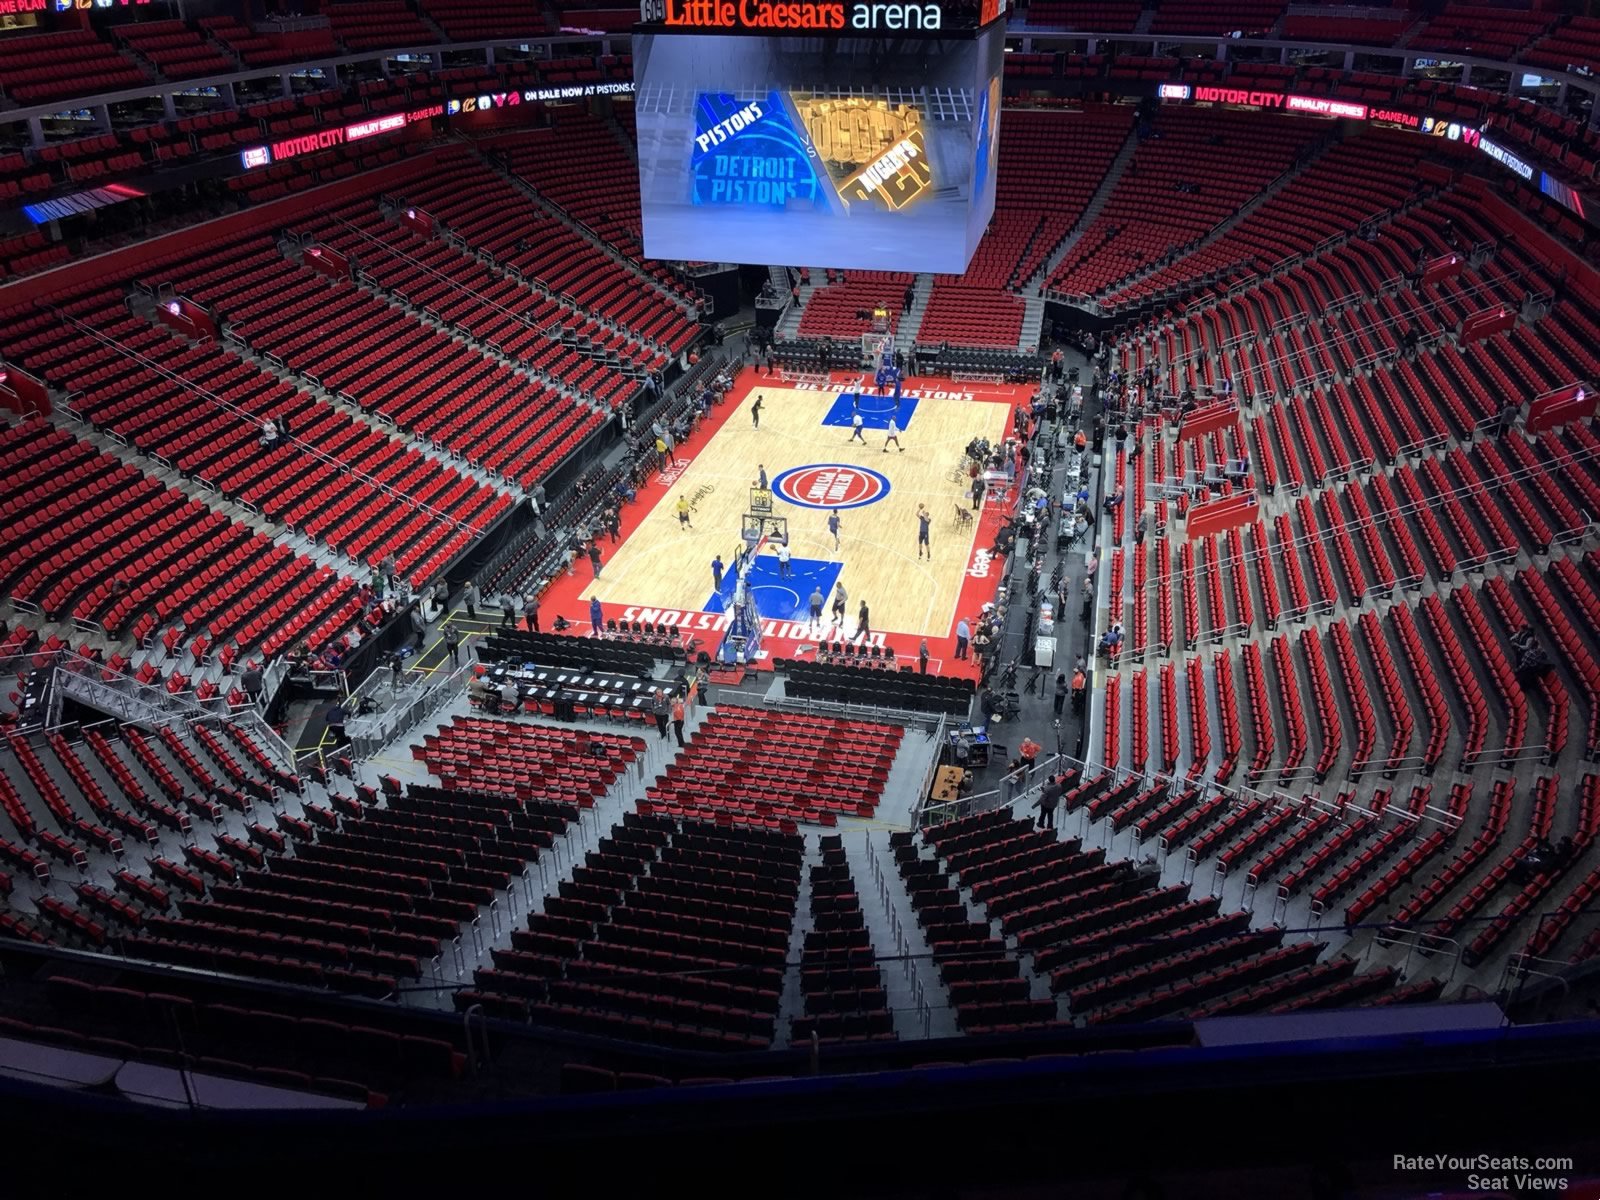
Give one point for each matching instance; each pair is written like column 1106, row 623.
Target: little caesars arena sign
column 774, row 16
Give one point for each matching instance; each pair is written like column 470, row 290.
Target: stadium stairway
column 213, row 42
column 913, row 1000
column 1031, row 336
column 439, row 273
column 423, row 446
column 208, row 670
column 789, row 326
column 1223, row 228
column 421, row 13
column 610, row 121
column 517, row 366
column 143, row 305
column 154, row 648
column 895, row 932
column 1033, row 286
column 566, row 218
column 1345, row 823
column 843, row 888
column 150, row 787
column 323, row 555
column 905, row 336
column 782, row 280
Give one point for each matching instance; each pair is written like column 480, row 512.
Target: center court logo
column 831, row 485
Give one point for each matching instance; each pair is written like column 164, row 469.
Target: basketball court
column 661, row 570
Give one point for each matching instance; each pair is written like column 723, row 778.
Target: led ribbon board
column 324, row 139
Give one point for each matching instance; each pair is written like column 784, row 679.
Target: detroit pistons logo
column 831, row 485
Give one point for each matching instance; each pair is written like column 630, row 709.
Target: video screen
column 838, row 152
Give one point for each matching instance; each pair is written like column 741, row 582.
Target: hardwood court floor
column 665, row 567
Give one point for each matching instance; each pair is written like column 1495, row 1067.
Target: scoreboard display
column 833, row 151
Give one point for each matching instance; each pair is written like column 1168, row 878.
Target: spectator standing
column 250, row 681
column 1029, row 751
column 1061, row 691
column 677, row 718
column 659, row 710
column 716, row 573
column 594, row 556
column 452, row 643
column 1011, row 780
column 1047, row 801
column 922, row 657
column 508, row 612
column 469, row 597
column 336, row 717
column 963, row 637
column 530, row 612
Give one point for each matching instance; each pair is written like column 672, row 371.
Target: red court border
column 782, row 639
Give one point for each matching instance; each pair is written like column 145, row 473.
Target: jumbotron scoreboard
column 853, row 135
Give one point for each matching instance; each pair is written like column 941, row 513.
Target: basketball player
column 833, row 527
column 839, row 597
column 922, row 532
column 816, row 607
column 855, row 421
column 894, row 436
column 755, row 411
column 683, row 513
